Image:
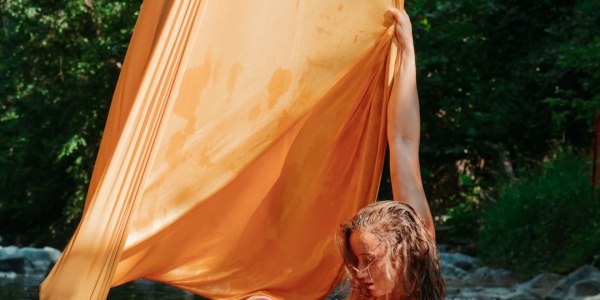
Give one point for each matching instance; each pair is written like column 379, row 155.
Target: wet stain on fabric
column 204, row 156
column 254, row 113
column 194, row 82
column 232, row 79
column 216, row 72
column 318, row 62
column 278, row 85
column 322, row 30
column 233, row 75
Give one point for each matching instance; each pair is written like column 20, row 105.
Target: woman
column 389, row 247
column 389, row 254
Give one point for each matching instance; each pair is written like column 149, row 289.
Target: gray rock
column 453, row 276
column 584, row 290
column 8, row 275
column 464, row 281
column 458, row 260
column 490, row 293
column 34, row 253
column 455, row 267
column 10, row 250
column 518, row 295
column 562, row 289
column 481, row 293
column 27, row 260
column 488, row 277
column 540, row 285
column 37, row 261
column 54, row 253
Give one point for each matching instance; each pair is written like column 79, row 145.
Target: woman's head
column 388, row 253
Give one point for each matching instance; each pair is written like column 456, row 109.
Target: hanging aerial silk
column 241, row 134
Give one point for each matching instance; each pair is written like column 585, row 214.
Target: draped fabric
column 241, row 134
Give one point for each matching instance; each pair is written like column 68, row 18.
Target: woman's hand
column 403, row 29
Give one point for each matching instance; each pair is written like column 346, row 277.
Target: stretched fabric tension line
column 241, row 134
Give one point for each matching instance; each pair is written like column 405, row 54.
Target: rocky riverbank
column 27, row 261
column 23, row 269
column 465, row 278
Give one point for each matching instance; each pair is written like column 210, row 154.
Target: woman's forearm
column 403, row 110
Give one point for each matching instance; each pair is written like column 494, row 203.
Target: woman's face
column 370, row 270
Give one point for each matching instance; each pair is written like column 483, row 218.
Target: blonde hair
column 410, row 253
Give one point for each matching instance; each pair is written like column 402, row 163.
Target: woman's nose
column 361, row 273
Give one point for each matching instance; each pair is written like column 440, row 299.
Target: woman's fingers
column 396, row 13
column 400, row 15
column 403, row 28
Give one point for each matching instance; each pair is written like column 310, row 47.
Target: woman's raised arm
column 403, row 126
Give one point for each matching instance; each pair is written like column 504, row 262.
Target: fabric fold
column 240, row 136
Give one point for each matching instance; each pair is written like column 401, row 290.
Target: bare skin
column 403, row 127
column 371, row 267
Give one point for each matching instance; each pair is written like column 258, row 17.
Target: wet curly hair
column 411, row 257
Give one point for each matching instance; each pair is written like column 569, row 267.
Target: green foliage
column 461, row 223
column 500, row 83
column 60, row 61
column 546, row 222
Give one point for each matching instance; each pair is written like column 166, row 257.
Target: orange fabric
column 241, row 134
